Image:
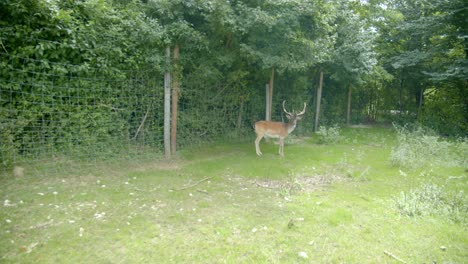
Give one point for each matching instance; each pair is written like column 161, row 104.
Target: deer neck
column 291, row 125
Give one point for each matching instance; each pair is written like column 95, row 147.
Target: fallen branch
column 142, row 122
column 394, row 257
column 195, row 184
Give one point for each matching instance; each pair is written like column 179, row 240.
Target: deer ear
column 298, row 117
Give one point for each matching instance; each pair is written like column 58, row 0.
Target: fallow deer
column 277, row 129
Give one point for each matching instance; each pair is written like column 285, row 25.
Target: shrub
column 329, row 135
column 431, row 199
column 417, row 147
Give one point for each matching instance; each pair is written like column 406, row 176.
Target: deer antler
column 284, row 108
column 303, row 110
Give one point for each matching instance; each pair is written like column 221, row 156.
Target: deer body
column 277, row 129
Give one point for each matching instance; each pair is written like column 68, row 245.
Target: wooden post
column 319, row 98
column 167, row 105
column 267, row 103
column 348, row 113
column 175, row 100
column 272, row 80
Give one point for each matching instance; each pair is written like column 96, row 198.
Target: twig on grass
column 195, row 184
column 203, row 191
column 394, row 257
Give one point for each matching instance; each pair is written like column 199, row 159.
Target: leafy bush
column 431, row 199
column 329, row 135
column 418, row 147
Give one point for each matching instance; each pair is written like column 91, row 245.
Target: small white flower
column 254, row 230
column 55, row 193
column 6, row 203
column 81, row 231
column 8, row 221
column 103, row 186
column 99, row 215
column 302, row 254
column 41, row 194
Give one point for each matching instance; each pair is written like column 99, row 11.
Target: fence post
column 175, row 100
column 167, row 105
column 319, row 98
column 267, row 102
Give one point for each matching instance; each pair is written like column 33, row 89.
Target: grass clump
column 418, row 147
column 432, row 200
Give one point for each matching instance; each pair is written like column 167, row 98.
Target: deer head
column 278, row 130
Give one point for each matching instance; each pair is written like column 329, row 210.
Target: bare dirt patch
column 301, row 183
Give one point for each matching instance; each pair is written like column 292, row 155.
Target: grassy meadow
column 341, row 202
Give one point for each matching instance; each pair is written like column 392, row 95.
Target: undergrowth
column 418, row 147
column 432, row 200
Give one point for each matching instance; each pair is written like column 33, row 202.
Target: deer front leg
column 281, row 146
column 257, row 144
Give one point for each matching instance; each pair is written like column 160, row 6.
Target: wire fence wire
column 54, row 111
column 53, row 114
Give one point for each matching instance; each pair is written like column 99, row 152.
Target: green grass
column 223, row 204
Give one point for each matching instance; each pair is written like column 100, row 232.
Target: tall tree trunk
column 319, row 99
column 421, row 102
column 167, row 105
column 400, row 100
column 272, row 80
column 175, row 99
column 267, row 103
column 348, row 113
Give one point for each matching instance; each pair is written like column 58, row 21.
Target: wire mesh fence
column 53, row 113
column 53, row 110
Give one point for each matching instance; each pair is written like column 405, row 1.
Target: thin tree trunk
column 348, row 113
column 421, row 102
column 272, row 80
column 267, row 103
column 400, row 100
column 175, row 100
column 319, row 98
column 167, row 105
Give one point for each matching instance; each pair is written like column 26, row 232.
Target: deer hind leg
column 281, row 147
column 257, row 144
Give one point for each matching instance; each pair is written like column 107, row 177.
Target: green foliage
column 329, row 135
column 417, row 147
column 431, row 199
column 67, row 83
column 445, row 110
